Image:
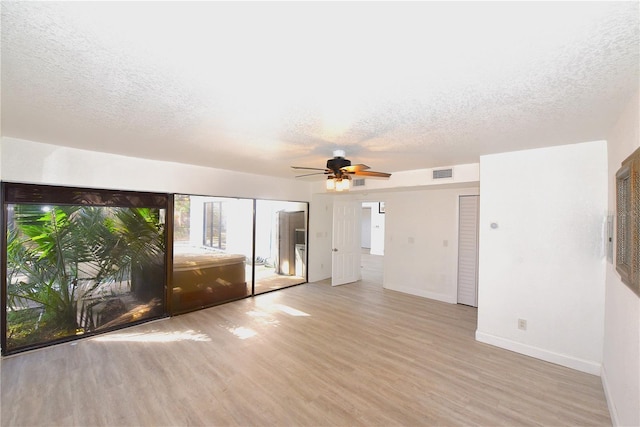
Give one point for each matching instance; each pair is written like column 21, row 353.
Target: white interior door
column 345, row 265
column 468, row 250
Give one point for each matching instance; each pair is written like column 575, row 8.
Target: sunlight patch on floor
column 161, row 337
column 242, row 332
column 290, row 310
column 258, row 314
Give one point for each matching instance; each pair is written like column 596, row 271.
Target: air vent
column 358, row 182
column 442, row 173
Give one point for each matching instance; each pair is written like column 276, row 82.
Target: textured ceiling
column 257, row 87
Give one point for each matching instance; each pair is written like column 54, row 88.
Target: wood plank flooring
column 309, row 355
column 371, row 267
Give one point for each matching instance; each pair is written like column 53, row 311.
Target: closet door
column 468, row 250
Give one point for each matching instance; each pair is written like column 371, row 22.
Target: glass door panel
column 281, row 244
column 77, row 265
column 212, row 251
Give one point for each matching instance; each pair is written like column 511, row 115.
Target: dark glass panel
column 79, row 269
column 48, row 194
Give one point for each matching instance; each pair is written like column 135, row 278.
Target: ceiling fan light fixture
column 342, row 184
column 339, row 171
column 331, row 184
column 335, row 183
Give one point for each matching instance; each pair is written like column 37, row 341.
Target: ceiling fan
column 340, row 168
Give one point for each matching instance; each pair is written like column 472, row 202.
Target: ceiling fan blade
column 372, row 174
column 306, row 168
column 355, row 168
column 309, row 174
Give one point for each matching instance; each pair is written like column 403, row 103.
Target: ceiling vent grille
column 358, row 182
column 442, row 173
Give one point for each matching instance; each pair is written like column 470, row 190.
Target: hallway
column 371, row 267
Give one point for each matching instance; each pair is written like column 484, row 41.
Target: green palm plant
column 60, row 257
column 46, row 250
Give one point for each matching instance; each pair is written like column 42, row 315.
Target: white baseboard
column 422, row 293
column 318, row 277
column 578, row 364
column 607, row 393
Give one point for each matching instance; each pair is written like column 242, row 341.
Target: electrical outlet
column 522, row 324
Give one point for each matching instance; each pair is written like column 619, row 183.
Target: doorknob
column 334, row 250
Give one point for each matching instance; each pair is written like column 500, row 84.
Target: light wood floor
column 307, row 355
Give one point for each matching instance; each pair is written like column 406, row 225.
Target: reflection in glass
column 215, row 226
column 73, row 269
column 281, row 233
column 212, row 250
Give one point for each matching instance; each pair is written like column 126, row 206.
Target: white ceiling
column 258, row 87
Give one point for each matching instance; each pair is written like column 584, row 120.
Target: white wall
column 545, row 261
column 428, row 216
column 410, row 191
column 33, row 162
column 468, row 174
column 421, row 243
column 621, row 358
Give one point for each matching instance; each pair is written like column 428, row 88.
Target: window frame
column 628, row 221
column 39, row 194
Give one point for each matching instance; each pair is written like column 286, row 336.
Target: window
column 79, row 261
column 628, row 221
column 215, row 230
column 212, row 254
column 281, row 244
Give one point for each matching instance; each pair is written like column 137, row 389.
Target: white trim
column 582, row 365
column 610, row 403
column 451, row 299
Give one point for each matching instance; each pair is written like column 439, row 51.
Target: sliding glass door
column 85, row 261
column 281, row 244
column 212, row 251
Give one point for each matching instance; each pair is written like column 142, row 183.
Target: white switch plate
column 522, row 324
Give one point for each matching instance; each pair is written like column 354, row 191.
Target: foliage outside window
column 79, row 261
column 628, row 221
column 181, row 218
column 85, row 261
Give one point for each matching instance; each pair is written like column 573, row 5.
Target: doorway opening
column 372, row 242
